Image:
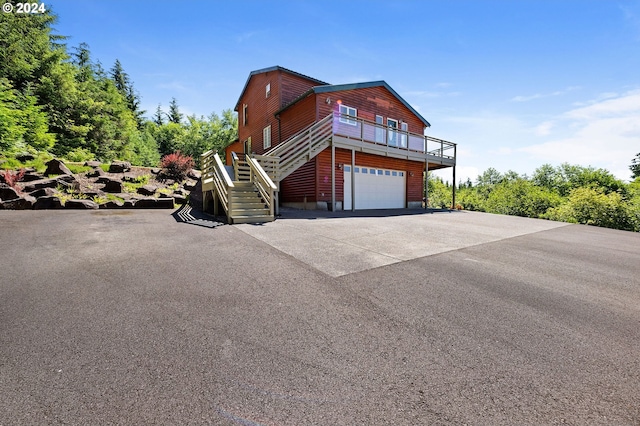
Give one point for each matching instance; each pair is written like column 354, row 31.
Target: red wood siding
column 285, row 87
column 297, row 117
column 370, row 102
column 414, row 183
column 260, row 110
column 300, row 184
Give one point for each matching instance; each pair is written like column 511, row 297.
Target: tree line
column 568, row 193
column 62, row 101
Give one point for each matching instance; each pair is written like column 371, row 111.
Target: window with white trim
column 266, row 137
column 267, row 90
column 348, row 111
column 244, row 114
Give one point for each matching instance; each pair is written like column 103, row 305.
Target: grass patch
column 138, row 182
column 77, row 168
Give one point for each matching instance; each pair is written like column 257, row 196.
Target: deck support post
column 353, row 180
column 426, row 184
column 453, row 193
column 333, row 177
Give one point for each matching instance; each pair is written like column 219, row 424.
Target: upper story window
column 266, row 137
column 267, row 90
column 244, row 114
column 348, row 111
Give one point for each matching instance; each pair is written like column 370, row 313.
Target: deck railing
column 360, row 129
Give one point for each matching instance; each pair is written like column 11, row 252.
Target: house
column 316, row 145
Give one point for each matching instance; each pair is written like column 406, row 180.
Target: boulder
column 42, row 183
column 93, row 164
column 129, row 177
column 147, row 190
column 179, row 199
column 43, row 192
column 194, row 174
column 154, row 203
column 113, row 186
column 195, row 198
column 56, row 167
column 31, row 176
column 119, row 167
column 8, row 193
column 95, row 172
column 81, row 205
column 112, row 204
column 24, row 202
column 47, row 203
column 189, row 185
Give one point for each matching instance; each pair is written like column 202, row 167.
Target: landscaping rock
column 42, row 183
column 31, row 176
column 194, row 174
column 56, row 167
column 112, row 204
column 24, row 202
column 93, row 164
column 195, row 197
column 154, row 203
column 119, row 167
column 43, row 192
column 155, row 171
column 81, row 205
column 129, row 177
column 147, row 190
column 179, row 199
column 128, row 204
column 96, row 172
column 47, row 203
column 189, row 185
column 112, row 186
column 8, row 193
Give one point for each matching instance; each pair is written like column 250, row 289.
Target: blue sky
column 515, row 83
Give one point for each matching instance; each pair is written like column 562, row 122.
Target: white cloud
column 544, row 95
column 604, row 134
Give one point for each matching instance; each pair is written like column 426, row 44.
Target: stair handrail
column 262, row 182
column 298, row 149
column 223, row 184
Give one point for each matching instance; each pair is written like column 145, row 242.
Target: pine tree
column 174, row 113
column 125, row 87
column 635, row 167
column 157, row 118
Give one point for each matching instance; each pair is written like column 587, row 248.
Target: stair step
column 252, row 219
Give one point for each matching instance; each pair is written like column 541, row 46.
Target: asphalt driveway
column 131, row 317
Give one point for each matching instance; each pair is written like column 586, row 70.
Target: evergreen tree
column 174, row 112
column 125, row 87
column 158, row 116
column 635, row 167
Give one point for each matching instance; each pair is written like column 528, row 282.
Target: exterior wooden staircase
column 251, row 196
column 249, row 200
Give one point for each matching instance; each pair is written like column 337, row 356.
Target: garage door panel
column 375, row 188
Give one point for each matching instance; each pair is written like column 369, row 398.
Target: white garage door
column 375, row 188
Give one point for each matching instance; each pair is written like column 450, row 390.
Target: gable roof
column 276, row 68
column 328, row 88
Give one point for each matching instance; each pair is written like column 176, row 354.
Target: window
column 365, row 171
column 347, row 168
column 356, row 169
column 393, row 133
column 403, row 136
column 267, row 90
column 247, row 146
column 348, row 111
column 379, row 129
column 244, row 114
column 266, row 137
column 380, row 172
